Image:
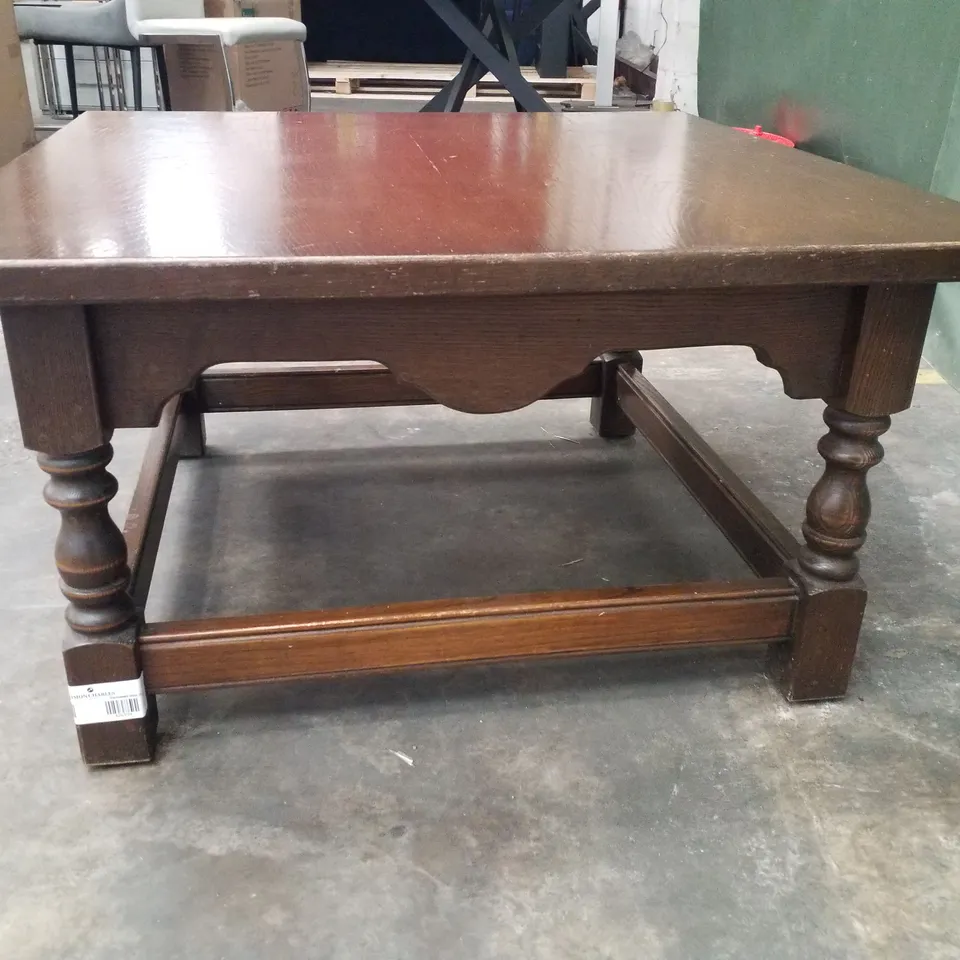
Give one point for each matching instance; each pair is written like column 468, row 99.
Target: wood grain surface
column 143, row 525
column 480, row 355
column 215, row 652
column 141, row 207
column 54, row 378
column 758, row 536
column 334, row 386
column 838, row 508
column 485, row 260
column 889, row 347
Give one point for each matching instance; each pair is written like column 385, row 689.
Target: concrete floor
column 637, row 807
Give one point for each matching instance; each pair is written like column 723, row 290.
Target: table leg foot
column 606, row 417
column 817, row 664
column 193, row 441
column 100, row 649
column 110, row 659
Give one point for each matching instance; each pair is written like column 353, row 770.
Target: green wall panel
column 876, row 75
column 875, row 82
column 943, row 340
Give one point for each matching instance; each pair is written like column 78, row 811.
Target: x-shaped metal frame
column 491, row 48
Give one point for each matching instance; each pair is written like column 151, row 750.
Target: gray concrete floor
column 634, row 807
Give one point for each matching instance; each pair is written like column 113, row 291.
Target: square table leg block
column 816, row 665
column 120, row 742
column 606, row 414
column 106, row 660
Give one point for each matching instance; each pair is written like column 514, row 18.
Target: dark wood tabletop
column 144, row 207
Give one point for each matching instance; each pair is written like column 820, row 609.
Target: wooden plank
column 336, row 79
column 209, row 653
column 759, row 537
column 54, row 378
column 321, row 386
column 143, row 526
column 489, row 93
column 359, row 69
column 420, row 95
column 304, row 387
column 888, row 350
column 439, row 72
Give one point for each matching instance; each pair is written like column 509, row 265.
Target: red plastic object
column 772, row 137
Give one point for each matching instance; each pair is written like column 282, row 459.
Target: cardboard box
column 266, row 76
column 252, row 8
column 16, row 118
column 196, row 77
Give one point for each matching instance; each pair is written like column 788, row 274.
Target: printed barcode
column 108, row 702
column 122, row 707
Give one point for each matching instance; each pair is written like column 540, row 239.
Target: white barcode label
column 106, row 702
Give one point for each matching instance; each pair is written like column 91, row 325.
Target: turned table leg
column 838, row 509
column 115, row 720
column 819, row 661
column 606, row 417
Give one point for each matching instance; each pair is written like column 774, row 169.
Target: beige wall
column 16, row 120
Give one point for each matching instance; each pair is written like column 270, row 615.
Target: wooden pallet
column 338, row 78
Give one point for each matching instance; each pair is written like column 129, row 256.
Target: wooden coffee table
column 487, row 261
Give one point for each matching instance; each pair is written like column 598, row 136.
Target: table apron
column 485, row 355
